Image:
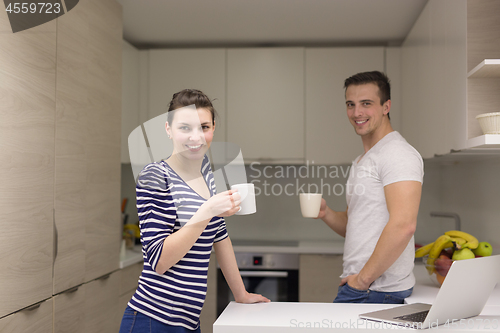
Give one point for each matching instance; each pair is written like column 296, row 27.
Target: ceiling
column 226, row 23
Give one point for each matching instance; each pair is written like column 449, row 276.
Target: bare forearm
column 227, row 262
column 337, row 221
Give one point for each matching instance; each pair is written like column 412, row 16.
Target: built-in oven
column 273, row 275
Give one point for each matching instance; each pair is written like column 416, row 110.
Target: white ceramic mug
column 247, row 193
column 310, row 204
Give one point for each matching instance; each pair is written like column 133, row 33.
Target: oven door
column 277, row 285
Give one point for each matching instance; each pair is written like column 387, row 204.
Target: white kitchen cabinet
column 265, row 103
column 440, row 98
column 319, row 277
column 171, row 71
column 329, row 137
column 35, row 319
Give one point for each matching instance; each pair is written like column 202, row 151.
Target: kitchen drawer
column 37, row 319
column 129, row 276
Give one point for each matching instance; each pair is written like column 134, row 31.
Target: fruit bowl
column 438, row 270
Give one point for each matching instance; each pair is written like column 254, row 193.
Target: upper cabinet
column 442, row 93
column 265, row 103
column 330, row 138
column 279, row 105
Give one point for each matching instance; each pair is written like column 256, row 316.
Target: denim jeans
column 136, row 322
column 348, row 294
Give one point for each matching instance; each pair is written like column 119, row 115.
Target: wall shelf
column 484, row 141
column 488, row 68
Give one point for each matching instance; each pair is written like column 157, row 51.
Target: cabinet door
column 70, row 149
column 103, row 133
column 36, row 319
column 265, row 103
column 69, row 311
column 170, row 71
column 27, row 113
column 330, row 138
column 319, row 277
column 101, row 305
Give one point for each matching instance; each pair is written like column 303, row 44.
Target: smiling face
column 365, row 113
column 191, row 132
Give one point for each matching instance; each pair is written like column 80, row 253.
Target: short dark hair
column 188, row 97
column 376, row 77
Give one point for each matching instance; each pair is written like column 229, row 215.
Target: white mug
column 247, row 193
column 310, row 204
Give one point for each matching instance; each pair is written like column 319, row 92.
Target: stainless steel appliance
column 274, row 275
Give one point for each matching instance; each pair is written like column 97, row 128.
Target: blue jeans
column 136, row 322
column 348, row 294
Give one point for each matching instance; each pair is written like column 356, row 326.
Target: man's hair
column 375, row 77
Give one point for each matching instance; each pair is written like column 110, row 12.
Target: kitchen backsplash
column 469, row 187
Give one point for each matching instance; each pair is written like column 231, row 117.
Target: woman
column 181, row 218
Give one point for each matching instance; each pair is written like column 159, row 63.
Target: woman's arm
column 227, row 262
column 176, row 245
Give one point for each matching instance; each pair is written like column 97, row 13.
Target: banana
column 471, row 241
column 422, row 251
column 458, row 242
column 441, row 243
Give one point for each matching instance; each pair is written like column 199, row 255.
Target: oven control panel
column 267, row 261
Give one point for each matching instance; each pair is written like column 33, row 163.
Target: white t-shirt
column 390, row 160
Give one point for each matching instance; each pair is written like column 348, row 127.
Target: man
column 383, row 195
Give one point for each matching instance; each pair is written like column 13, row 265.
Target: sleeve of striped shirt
column 221, row 232
column 156, row 210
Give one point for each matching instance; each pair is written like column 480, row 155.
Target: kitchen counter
column 329, row 317
column 308, row 317
column 131, row 256
column 300, row 247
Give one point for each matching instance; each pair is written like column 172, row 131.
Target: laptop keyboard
column 417, row 317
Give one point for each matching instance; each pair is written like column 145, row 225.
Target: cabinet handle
column 72, row 290
column 33, row 307
column 104, row 277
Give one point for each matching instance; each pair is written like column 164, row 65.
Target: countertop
column 329, row 317
column 300, row 247
column 308, row 317
column 133, row 256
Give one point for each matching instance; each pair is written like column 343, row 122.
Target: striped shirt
column 164, row 204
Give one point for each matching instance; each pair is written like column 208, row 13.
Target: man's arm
column 403, row 200
column 337, row 221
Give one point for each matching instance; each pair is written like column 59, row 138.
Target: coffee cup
column 310, row 204
column 247, row 193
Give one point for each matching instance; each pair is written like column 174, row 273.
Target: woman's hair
column 188, row 97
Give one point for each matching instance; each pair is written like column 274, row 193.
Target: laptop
column 464, row 292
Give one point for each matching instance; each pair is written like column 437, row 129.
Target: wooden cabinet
column 319, row 277
column 129, row 277
column 265, row 103
column 60, row 171
column 27, row 112
column 209, row 312
column 35, row 319
column 330, row 138
column 440, row 98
